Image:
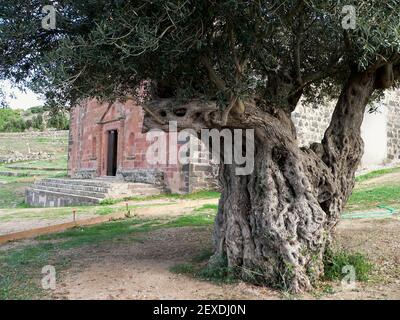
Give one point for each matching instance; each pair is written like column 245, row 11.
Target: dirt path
column 386, row 179
column 140, row 270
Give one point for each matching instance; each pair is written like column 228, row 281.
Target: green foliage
column 36, row 110
column 11, row 121
column 38, row 123
column 216, row 270
column 58, row 121
column 334, row 262
column 183, row 268
column 100, row 49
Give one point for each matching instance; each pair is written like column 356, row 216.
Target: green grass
column 12, row 194
column 191, row 196
column 58, row 213
column 368, row 198
column 57, row 145
column 118, row 229
column 12, row 191
column 335, row 261
column 375, row 174
column 20, row 275
column 60, row 161
column 215, row 270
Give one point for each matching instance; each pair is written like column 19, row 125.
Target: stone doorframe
column 119, row 126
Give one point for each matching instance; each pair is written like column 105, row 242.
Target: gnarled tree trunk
column 275, row 224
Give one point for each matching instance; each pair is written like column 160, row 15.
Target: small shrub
column 335, row 261
column 106, row 202
column 184, row 268
column 217, row 270
column 38, row 123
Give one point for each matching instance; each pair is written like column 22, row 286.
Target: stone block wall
column 90, row 123
column 311, row 122
column 393, row 104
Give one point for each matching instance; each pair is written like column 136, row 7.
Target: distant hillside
column 51, row 143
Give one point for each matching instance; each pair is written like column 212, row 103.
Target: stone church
column 107, row 140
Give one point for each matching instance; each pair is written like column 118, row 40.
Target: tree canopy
column 276, row 50
column 229, row 64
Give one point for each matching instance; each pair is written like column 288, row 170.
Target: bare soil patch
column 140, row 269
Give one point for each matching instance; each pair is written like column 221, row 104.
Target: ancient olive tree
column 230, row 64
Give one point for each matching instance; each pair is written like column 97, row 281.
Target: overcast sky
column 22, row 100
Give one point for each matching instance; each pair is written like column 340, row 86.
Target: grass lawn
column 12, row 194
column 11, row 187
column 376, row 173
column 54, row 144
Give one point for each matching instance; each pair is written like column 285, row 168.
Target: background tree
column 11, row 120
column 229, row 64
column 38, row 123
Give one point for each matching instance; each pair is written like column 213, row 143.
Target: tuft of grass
column 335, row 261
column 183, row 268
column 216, row 270
column 375, row 174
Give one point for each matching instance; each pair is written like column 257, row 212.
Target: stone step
column 105, row 189
column 71, row 190
column 13, row 174
column 45, row 198
column 47, row 183
column 79, row 182
column 59, row 192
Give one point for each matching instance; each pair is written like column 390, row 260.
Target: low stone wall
column 16, row 156
column 42, row 198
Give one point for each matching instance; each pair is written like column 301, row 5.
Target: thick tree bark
column 275, row 224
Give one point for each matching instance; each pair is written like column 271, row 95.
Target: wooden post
column 128, row 212
column 74, row 214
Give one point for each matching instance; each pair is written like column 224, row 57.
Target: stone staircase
column 54, row 192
